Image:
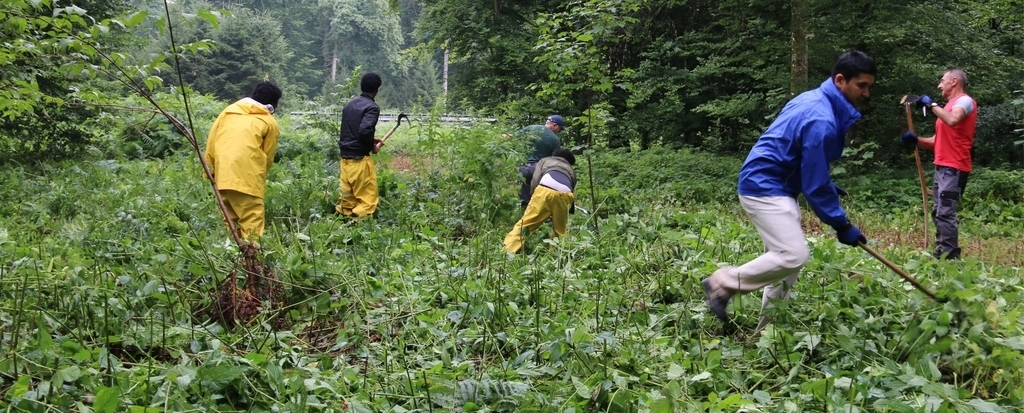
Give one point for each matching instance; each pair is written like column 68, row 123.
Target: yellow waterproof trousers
column 359, row 195
column 544, row 203
column 247, row 211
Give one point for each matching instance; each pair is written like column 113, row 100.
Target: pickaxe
column 907, row 102
column 390, row 132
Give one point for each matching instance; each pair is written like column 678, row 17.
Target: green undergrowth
column 107, row 266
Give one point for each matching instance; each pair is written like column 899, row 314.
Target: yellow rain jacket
column 241, row 146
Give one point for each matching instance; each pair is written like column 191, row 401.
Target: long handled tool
column 907, row 102
column 900, row 271
column 393, row 129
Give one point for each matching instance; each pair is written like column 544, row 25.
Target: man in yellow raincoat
column 359, row 196
column 240, row 151
column 551, row 187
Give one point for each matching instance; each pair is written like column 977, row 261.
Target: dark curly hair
column 370, row 83
column 565, row 154
column 266, row 92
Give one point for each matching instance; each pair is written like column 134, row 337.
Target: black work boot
column 717, row 300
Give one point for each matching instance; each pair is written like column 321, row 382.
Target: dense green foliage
column 627, row 73
column 107, row 266
column 714, row 73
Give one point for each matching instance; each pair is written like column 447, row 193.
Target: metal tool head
column 400, row 116
column 909, row 99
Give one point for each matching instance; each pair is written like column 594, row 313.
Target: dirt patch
column 994, row 251
column 407, row 164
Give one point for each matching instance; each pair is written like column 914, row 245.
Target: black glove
column 908, row 139
column 840, row 191
column 924, row 101
column 572, row 209
column 850, row 235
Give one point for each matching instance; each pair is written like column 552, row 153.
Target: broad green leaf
column 582, row 390
column 183, row 380
column 1015, row 342
column 137, row 18
column 213, row 378
column 275, row 376
column 43, row 339
column 68, row 374
column 762, row 396
column 661, row 405
column 735, row 399
column 985, row 407
column 107, row 400
column 675, row 371
column 211, row 17
column 357, row 407
column 701, row 377
column 20, row 387
column 256, row 358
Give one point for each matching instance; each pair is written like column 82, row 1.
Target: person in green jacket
column 545, row 142
column 551, row 186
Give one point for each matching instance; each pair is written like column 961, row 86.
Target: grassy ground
column 108, row 270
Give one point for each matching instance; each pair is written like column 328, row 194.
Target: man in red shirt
column 954, row 137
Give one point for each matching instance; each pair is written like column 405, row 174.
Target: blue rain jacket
column 793, row 155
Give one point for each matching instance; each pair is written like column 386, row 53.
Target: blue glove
column 908, row 139
column 924, row 101
column 850, row 235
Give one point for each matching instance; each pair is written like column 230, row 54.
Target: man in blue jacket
column 792, row 157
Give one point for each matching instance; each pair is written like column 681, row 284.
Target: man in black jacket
column 359, row 194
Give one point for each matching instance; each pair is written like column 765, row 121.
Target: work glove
column 924, row 101
column 850, row 235
column 908, row 139
column 572, row 209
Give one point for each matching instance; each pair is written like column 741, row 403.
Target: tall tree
column 248, row 48
column 492, row 48
column 362, row 33
column 800, row 36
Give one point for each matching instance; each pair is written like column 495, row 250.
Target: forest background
column 626, row 73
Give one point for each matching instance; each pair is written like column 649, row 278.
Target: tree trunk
column 444, row 73
column 334, row 63
column 798, row 64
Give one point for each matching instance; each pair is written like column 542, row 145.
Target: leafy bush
column 50, row 132
column 672, row 177
column 995, row 136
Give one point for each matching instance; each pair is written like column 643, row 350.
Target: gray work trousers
column 949, row 187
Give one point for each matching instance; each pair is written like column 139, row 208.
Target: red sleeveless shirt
column 953, row 143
